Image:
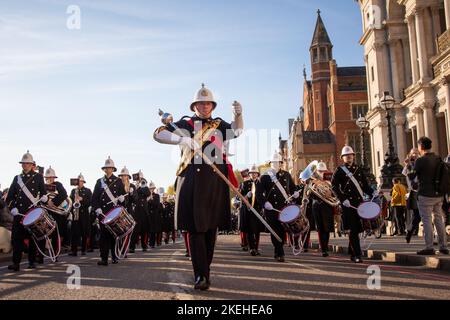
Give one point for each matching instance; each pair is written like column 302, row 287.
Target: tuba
column 320, row 188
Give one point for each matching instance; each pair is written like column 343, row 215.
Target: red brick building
column 333, row 99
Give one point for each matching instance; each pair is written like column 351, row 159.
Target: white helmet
column 125, row 172
column 81, row 178
column 152, row 185
column 346, row 151
column 141, row 174
column 109, row 163
column 50, row 173
column 276, row 157
column 203, row 95
column 254, row 169
column 322, row 166
column 27, row 158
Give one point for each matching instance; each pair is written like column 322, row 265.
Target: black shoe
column 426, row 252
column 325, row 254
column 201, row 284
column 253, row 252
column 352, row 258
column 83, row 253
column 102, row 263
column 115, row 261
column 144, row 249
column 408, row 237
column 90, row 250
column 14, row 267
column 358, row 260
column 280, row 259
column 187, row 255
column 73, row 254
column 258, row 253
column 131, row 251
column 40, row 260
column 444, row 251
column 305, row 250
column 31, row 266
column 244, row 248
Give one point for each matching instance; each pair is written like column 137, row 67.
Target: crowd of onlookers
column 420, row 198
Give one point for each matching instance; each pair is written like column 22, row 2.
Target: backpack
column 442, row 181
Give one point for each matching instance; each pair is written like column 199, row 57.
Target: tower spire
column 320, row 36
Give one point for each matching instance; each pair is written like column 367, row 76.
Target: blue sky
column 73, row 97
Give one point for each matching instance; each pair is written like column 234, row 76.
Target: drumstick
column 115, row 200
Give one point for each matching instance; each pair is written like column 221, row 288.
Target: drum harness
column 302, row 238
column 358, row 187
column 122, row 242
column 52, row 255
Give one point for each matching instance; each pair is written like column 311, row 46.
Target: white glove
column 190, row 143
column 44, row 199
column 98, row 212
column 268, row 206
column 346, row 203
column 237, row 109
column 14, row 212
column 375, row 194
column 296, row 195
column 121, row 198
column 249, row 194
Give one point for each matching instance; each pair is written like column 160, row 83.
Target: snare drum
column 119, row 222
column 293, row 220
column 39, row 223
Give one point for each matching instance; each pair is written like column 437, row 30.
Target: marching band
column 119, row 214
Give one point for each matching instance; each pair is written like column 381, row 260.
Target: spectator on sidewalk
column 430, row 200
column 411, row 204
column 398, row 204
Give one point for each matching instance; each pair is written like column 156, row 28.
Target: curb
column 406, row 259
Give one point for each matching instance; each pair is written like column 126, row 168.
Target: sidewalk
column 391, row 249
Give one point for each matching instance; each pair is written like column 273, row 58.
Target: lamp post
column 363, row 125
column 391, row 168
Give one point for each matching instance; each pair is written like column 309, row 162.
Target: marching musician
column 323, row 212
column 168, row 219
column 154, row 216
column 26, row 190
column 109, row 192
column 243, row 232
column 273, row 195
column 140, row 214
column 203, row 199
column 250, row 224
column 59, row 195
column 349, row 184
column 81, row 216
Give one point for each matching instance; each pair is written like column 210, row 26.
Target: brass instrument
column 63, row 209
column 321, row 189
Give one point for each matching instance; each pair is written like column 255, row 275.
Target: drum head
column 369, row 210
column 112, row 215
column 289, row 213
column 32, row 216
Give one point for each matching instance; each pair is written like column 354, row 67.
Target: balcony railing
column 444, row 41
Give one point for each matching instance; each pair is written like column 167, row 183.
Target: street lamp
column 391, row 168
column 363, row 125
column 387, row 104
